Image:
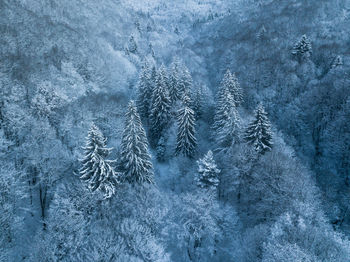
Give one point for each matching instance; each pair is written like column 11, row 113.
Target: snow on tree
column 224, row 104
column 230, row 81
column 46, row 100
column 186, row 140
column 198, row 102
column 153, row 77
column 132, row 46
column 302, row 47
column 96, row 170
column 208, row 173
column 186, row 82
column 144, row 91
column 229, row 134
column 258, row 133
column 160, row 106
column 136, row 159
column 338, row 61
column 174, row 81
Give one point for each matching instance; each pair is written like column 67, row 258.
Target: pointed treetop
column 230, row 82
column 258, row 132
column 136, row 158
column 186, row 133
column 208, row 173
column 302, row 47
column 96, row 170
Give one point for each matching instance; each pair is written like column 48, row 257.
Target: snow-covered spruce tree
column 302, row 48
column 160, row 106
column 136, row 159
column 153, row 77
column 96, row 170
column 186, row 82
column 230, row 81
column 144, row 92
column 198, row 102
column 230, row 133
column 224, row 104
column 186, row 140
column 208, row 173
column 174, row 81
column 258, row 133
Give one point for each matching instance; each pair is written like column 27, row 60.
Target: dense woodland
column 200, row 130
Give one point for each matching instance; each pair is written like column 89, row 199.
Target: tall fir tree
column 258, row 132
column 174, row 81
column 144, row 92
column 96, row 170
column 197, row 103
column 186, row 82
column 187, row 79
column 136, row 159
column 153, row 77
column 231, row 82
column 224, row 104
column 208, row 173
column 186, row 139
column 160, row 106
column 230, row 133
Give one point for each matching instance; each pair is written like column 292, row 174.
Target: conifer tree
column 302, row 48
column 186, row 140
column 160, row 107
column 230, row 132
column 208, row 173
column 231, row 82
column 258, row 133
column 153, row 77
column 144, row 92
column 186, row 82
column 174, row 82
column 198, row 102
column 224, row 104
column 187, row 78
column 96, row 171
column 136, row 159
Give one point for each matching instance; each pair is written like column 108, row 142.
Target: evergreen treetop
column 230, row 82
column 302, row 47
column 224, row 103
column 144, row 91
column 258, row 132
column 160, row 107
column 96, row 170
column 186, row 140
column 136, row 158
column 208, row 173
column 230, row 133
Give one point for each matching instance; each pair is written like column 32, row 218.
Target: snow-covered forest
column 185, row 130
